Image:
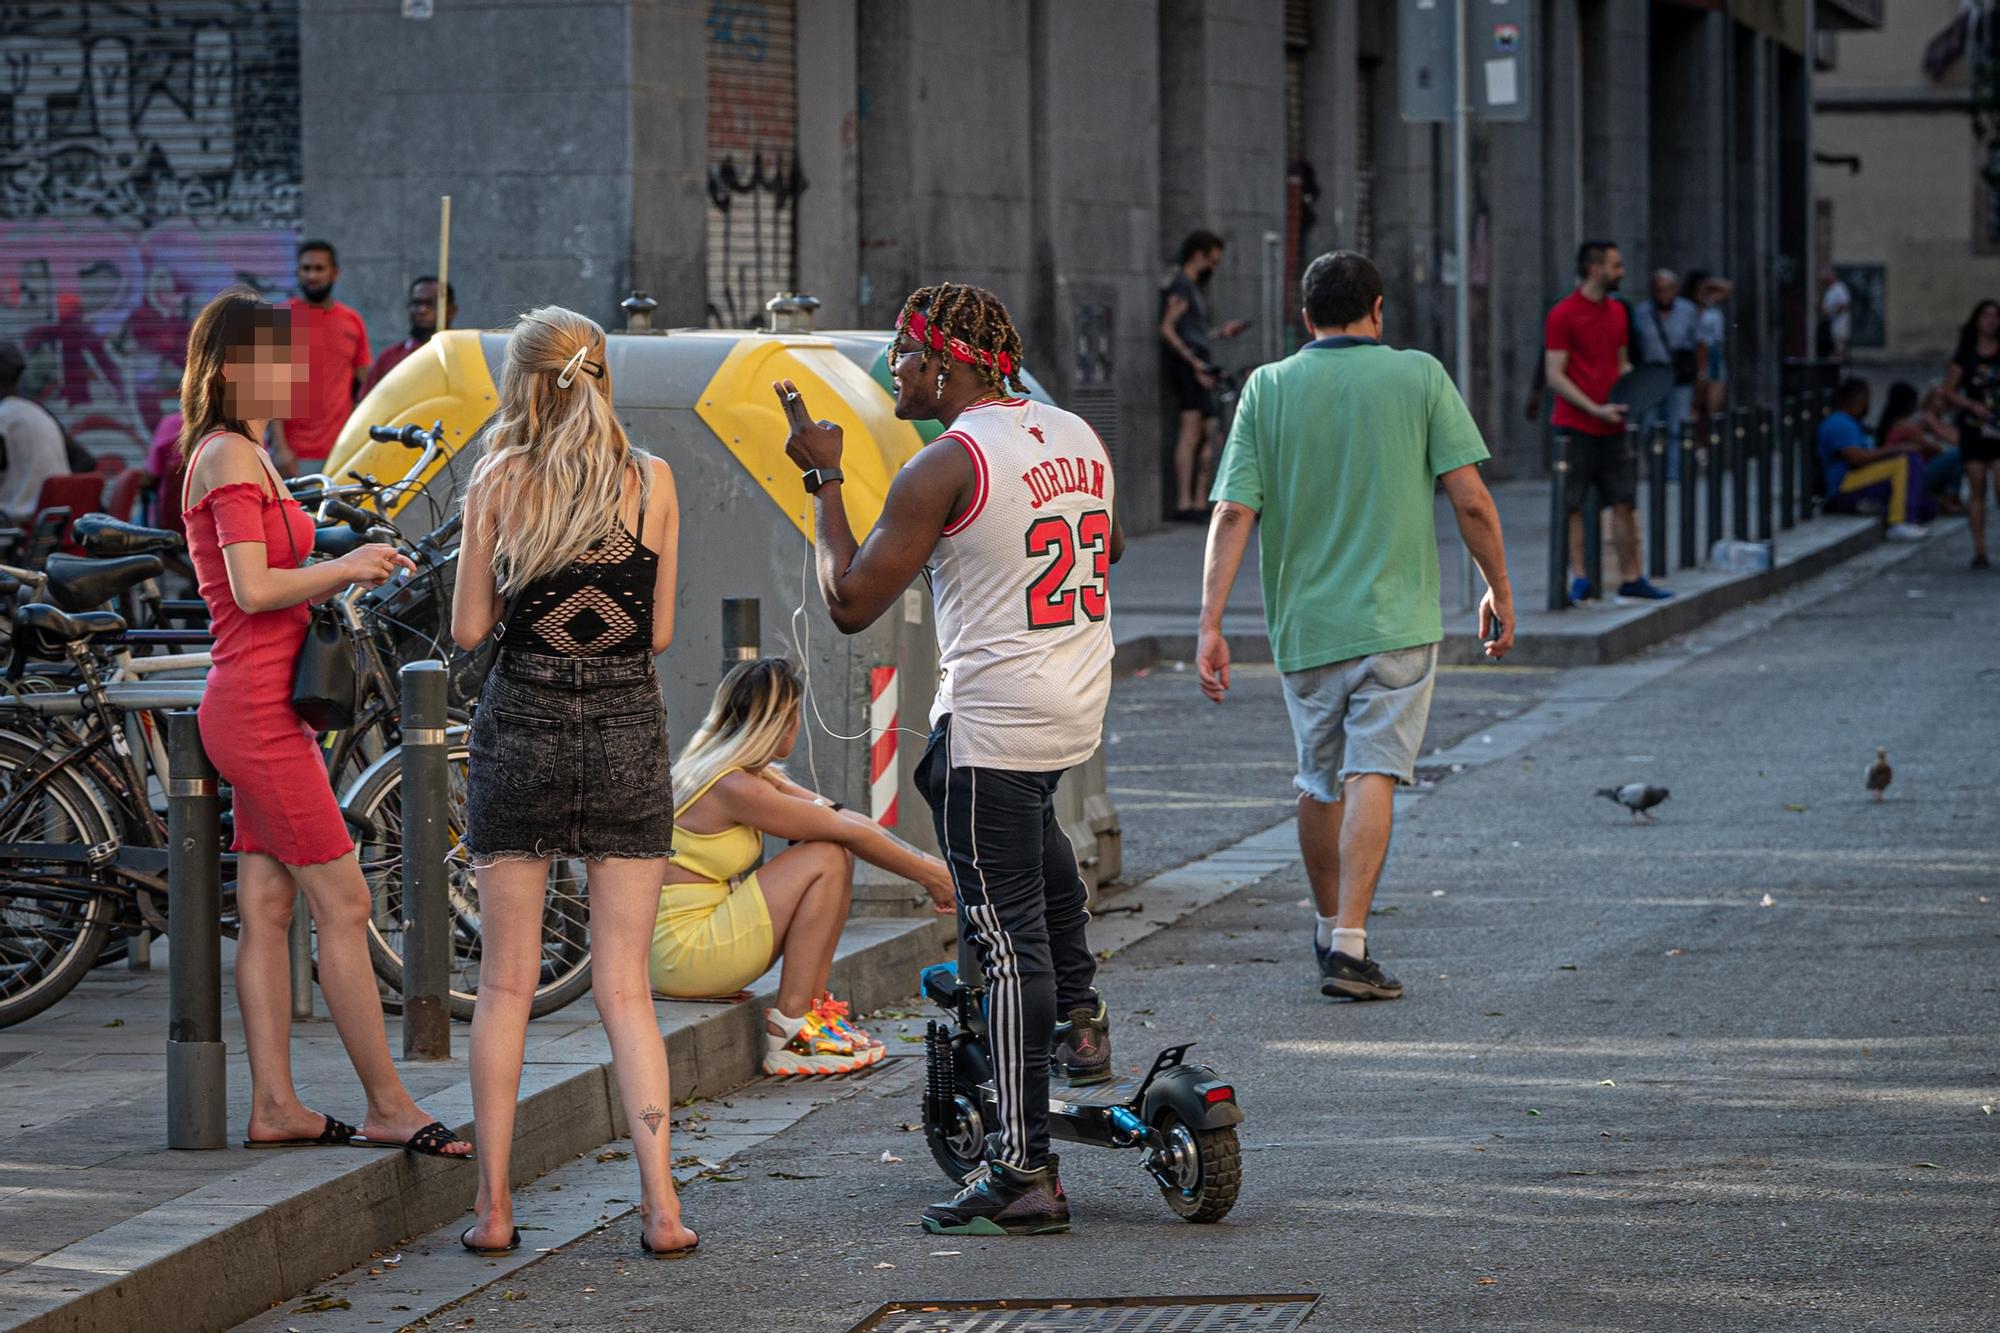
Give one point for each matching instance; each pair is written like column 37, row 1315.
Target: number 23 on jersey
column 1052, row 602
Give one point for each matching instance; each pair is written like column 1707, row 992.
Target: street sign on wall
column 1499, row 55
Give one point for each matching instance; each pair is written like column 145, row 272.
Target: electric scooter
column 1182, row 1116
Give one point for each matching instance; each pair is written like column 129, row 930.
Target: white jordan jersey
column 1021, row 581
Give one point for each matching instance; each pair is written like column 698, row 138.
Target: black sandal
column 430, row 1141
column 336, row 1134
column 490, row 1251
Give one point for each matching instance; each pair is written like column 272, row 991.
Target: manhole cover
column 1116, row 1314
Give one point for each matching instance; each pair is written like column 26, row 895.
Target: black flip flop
column 651, row 1253
column 430, row 1141
column 491, row 1251
column 336, row 1134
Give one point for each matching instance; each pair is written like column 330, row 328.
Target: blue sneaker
column 1639, row 590
column 1580, row 590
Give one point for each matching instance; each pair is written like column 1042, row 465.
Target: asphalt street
column 1735, row 1070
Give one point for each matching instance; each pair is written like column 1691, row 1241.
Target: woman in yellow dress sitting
column 724, row 919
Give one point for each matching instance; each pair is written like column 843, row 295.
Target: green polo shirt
column 1337, row 449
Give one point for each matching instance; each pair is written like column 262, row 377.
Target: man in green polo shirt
column 1333, row 459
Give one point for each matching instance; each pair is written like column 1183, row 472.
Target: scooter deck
column 1090, row 1097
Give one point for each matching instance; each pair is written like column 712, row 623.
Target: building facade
column 1908, row 186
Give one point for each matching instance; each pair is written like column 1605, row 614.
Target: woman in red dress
column 247, row 537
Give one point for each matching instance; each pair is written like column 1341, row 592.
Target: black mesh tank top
column 600, row 605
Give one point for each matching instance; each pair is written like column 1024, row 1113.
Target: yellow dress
column 712, row 939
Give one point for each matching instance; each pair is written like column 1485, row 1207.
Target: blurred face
column 1857, row 406
column 1611, row 269
column 791, row 736
column 1207, row 262
column 1989, row 321
column 1665, row 289
column 259, row 382
column 424, row 310
column 317, row 275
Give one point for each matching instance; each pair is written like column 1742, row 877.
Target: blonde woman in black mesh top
column 569, row 556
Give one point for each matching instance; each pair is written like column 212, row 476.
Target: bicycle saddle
column 337, row 540
column 78, row 583
column 53, row 627
column 103, row 535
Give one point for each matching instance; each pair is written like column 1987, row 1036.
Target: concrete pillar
column 669, row 116
column 829, row 143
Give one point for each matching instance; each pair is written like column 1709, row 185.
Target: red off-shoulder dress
column 283, row 800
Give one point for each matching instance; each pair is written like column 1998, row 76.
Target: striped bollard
column 882, row 771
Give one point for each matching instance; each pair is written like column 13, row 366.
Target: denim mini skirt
column 569, row 759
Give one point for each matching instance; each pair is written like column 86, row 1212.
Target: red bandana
column 919, row 329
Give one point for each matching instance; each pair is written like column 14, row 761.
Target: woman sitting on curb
column 723, row 918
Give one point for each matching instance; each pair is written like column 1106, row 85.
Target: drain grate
column 1116, row 1314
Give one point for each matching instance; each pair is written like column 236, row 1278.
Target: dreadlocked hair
column 975, row 317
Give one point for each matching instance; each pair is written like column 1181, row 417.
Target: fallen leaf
column 1795, row 809
column 512, row 1296
column 1566, row 967
column 792, row 1175
column 1384, row 911
column 613, row 1155
column 114, row 1023
column 1987, row 1107
column 944, row 1254
column 904, row 1036
column 1767, row 901
column 1606, row 1083
column 1675, row 953
column 1494, row 1013
column 324, row 1304
column 1489, row 1281
column 908, row 1126
column 1927, row 1166
column 1437, row 893
column 724, row 1177
column 885, row 1265
column 888, row 1158
column 1533, row 1112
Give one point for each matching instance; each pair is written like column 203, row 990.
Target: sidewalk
column 1156, row 588
column 102, row 1226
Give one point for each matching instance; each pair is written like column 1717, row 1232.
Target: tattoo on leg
column 654, row 1118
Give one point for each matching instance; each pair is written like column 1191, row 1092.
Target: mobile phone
column 1498, row 631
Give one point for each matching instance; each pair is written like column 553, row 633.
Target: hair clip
column 579, row 361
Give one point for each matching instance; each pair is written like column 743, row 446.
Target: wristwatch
column 819, row 477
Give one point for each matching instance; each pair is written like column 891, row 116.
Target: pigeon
column 1638, row 797
column 1880, row 775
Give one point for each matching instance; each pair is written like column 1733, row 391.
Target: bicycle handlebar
column 411, row 436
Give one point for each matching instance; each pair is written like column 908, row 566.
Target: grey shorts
column 1364, row 715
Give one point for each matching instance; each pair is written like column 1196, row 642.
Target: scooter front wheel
column 1199, row 1171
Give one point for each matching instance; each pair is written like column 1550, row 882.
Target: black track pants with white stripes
column 1021, row 903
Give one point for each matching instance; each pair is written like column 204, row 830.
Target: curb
column 230, row 1250
column 1613, row 643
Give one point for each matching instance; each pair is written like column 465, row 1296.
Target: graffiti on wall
column 754, row 181
column 149, row 156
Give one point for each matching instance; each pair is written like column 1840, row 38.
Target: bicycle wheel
column 53, row 917
column 565, row 960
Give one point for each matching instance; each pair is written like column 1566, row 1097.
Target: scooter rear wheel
column 1205, row 1166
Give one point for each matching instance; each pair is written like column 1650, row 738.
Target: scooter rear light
column 1222, row 1092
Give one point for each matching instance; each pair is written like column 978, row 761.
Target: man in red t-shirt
column 331, row 342
column 1585, row 351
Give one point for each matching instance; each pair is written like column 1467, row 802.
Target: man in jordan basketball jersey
column 1012, row 513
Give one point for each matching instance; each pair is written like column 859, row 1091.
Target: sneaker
column 1345, row 976
column 1003, row 1200
column 814, row 1049
column 1639, row 590
column 1906, row 532
column 1580, row 591
column 1082, row 1049
column 833, row 1013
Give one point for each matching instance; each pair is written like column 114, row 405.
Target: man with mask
column 335, row 357
column 1190, row 372
column 423, row 323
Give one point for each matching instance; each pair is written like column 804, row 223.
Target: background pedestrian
column 31, row 442
column 422, row 306
column 1972, row 385
column 1190, row 367
column 1667, row 329
column 1334, row 457
column 332, row 343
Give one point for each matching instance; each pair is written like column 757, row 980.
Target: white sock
column 1353, row 943
column 1323, row 931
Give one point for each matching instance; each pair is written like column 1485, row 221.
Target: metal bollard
column 1656, row 505
column 1788, row 465
column 1558, row 597
column 1593, row 539
column 300, row 940
column 197, row 1073
column 1739, row 474
column 1765, row 500
column 1689, row 554
column 1718, row 466
column 741, row 633
column 426, row 878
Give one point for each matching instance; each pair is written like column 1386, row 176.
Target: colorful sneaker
column 834, row 1013
column 814, row 1048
